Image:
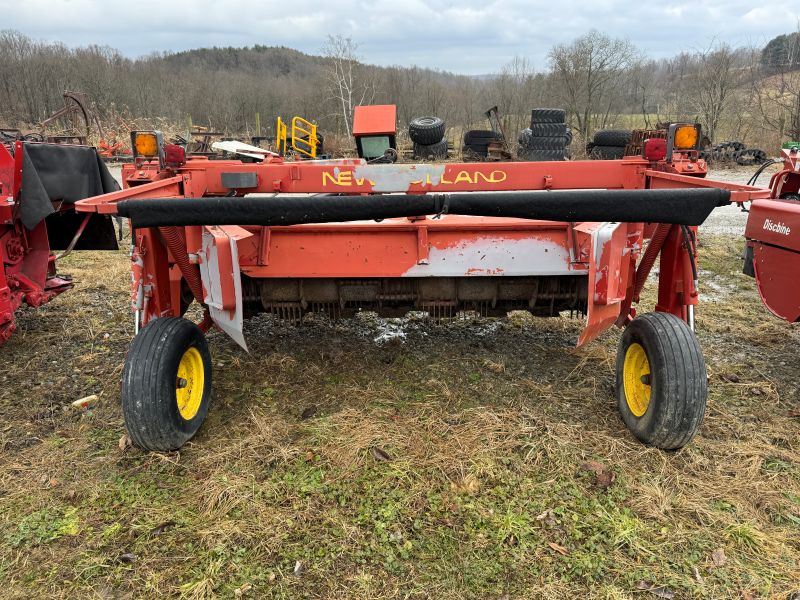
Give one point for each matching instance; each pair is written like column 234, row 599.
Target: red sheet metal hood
column 376, row 119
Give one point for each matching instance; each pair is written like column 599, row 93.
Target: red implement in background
column 772, row 253
column 375, row 131
column 39, row 184
column 375, row 119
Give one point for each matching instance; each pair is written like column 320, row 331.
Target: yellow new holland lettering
column 344, row 179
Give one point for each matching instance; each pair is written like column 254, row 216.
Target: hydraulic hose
column 176, row 242
column 760, row 170
column 649, row 258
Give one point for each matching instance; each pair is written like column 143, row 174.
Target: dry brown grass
column 443, row 467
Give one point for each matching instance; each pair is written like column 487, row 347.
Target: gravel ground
column 731, row 220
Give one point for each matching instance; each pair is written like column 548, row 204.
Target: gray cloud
column 467, row 36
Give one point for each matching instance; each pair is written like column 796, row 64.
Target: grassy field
column 474, row 459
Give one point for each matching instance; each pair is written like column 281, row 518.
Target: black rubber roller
column 677, row 206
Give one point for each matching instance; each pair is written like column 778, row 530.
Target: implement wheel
column 661, row 380
column 166, row 384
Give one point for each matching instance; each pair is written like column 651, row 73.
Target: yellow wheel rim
column 636, row 379
column 190, row 383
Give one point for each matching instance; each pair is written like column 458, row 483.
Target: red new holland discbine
column 343, row 235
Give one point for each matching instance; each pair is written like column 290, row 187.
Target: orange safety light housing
column 147, row 145
column 683, row 138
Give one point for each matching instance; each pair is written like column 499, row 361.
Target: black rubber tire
column 526, row 139
column 533, row 155
column 612, row 137
column 548, row 143
column 480, row 137
column 607, row 152
column 557, row 130
column 426, row 130
column 384, row 159
column 548, row 115
column 678, row 381
column 477, row 147
column 149, row 404
column 428, row 151
column 475, row 151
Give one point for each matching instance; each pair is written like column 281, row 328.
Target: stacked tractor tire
column 548, row 137
column 476, row 143
column 427, row 134
column 608, row 144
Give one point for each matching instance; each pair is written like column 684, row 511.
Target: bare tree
column 586, row 72
column 465, row 100
column 716, row 77
column 778, row 98
column 514, row 88
column 342, row 71
column 776, row 89
column 642, row 87
column 411, row 86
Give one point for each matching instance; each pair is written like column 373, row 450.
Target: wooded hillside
column 750, row 94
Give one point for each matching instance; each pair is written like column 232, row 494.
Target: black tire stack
column 734, row 152
column 608, row 144
column 547, row 138
column 476, row 143
column 427, row 134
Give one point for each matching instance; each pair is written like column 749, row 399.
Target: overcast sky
column 463, row 36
